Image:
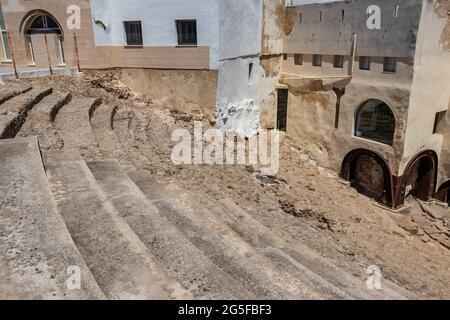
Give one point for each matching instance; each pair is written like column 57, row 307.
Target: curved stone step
column 116, row 257
column 73, row 125
column 250, row 228
column 36, row 249
column 14, row 112
column 141, row 127
column 182, row 260
column 269, row 277
column 12, row 91
column 326, row 274
column 125, row 136
column 142, row 141
column 40, row 121
column 102, row 126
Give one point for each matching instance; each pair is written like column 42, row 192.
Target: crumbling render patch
column 271, row 65
column 290, row 18
column 442, row 9
column 241, row 117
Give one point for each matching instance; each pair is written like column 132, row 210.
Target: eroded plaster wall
column 251, row 34
column 272, row 49
column 313, row 89
column 312, row 111
column 240, row 69
column 430, row 91
column 238, row 95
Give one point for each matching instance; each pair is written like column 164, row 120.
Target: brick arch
column 351, row 171
column 421, row 173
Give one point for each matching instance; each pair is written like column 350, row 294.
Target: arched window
column 38, row 22
column 44, row 23
column 375, row 121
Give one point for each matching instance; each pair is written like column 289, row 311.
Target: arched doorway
column 374, row 120
column 43, row 31
column 443, row 192
column 369, row 173
column 419, row 179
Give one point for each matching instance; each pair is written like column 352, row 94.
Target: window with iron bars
column 133, row 30
column 187, row 32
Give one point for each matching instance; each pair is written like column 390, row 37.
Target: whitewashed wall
column 240, row 28
column 240, row 45
column 238, row 96
column 158, row 22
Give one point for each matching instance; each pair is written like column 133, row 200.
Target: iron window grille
column 187, row 32
column 44, row 24
column 133, row 30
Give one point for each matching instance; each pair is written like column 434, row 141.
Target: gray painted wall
column 333, row 35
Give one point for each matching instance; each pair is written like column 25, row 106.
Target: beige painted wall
column 312, row 105
column 58, row 9
column 311, row 122
column 92, row 56
column 152, row 57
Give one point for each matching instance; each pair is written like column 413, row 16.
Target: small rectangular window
column 285, row 56
column 298, row 59
column 390, row 65
column 5, row 42
column 396, row 9
column 317, row 60
column 187, row 32
column 4, row 38
column 364, row 63
column 300, row 17
column 338, row 61
column 342, row 15
column 250, row 70
column 133, row 30
column 320, row 16
column 282, row 109
column 439, row 120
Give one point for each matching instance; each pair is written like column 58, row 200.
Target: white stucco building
column 159, row 24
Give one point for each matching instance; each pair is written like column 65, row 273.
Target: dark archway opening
column 368, row 173
column 443, row 192
column 375, row 121
column 419, row 179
